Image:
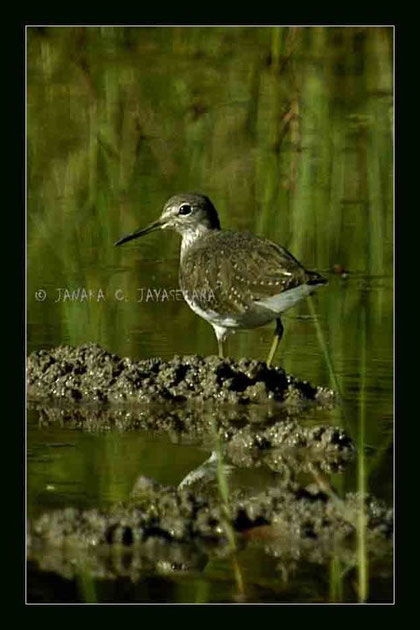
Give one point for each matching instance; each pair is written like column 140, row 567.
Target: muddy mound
column 91, row 374
column 164, row 524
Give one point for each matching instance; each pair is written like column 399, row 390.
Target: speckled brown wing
column 228, row 271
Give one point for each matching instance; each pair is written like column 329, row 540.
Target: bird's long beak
column 150, row 228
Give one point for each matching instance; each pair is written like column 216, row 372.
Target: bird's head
column 186, row 213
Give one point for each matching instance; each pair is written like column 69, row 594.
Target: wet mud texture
column 166, row 529
column 251, row 435
column 90, row 374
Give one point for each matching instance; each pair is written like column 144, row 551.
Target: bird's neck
column 190, row 237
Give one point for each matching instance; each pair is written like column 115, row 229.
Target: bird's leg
column 220, row 333
column 278, row 334
column 220, row 346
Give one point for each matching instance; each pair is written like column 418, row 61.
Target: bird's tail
column 315, row 278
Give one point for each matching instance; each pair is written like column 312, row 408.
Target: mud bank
column 169, row 529
column 191, row 399
column 166, row 529
column 90, row 374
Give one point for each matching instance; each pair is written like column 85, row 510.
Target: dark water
column 289, row 131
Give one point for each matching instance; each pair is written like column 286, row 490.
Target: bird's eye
column 185, row 209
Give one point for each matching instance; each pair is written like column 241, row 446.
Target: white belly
column 263, row 311
column 259, row 316
column 283, row 301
